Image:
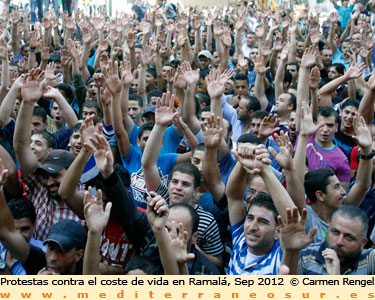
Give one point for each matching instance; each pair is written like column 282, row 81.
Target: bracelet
column 368, row 156
column 32, row 49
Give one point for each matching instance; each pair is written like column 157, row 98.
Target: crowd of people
column 178, row 140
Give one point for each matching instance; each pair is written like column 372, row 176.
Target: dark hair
column 260, row 114
column 249, row 138
column 149, row 265
column 293, row 86
column 154, row 93
column 241, row 76
column 145, row 127
column 253, row 103
column 92, row 103
column 351, row 212
column 350, row 102
column 327, row 111
column 122, row 173
column 135, row 97
column 152, row 71
column 22, row 208
column 292, row 100
column 264, row 200
column 187, row 168
column 203, row 97
column 56, row 58
column 340, row 68
column 68, row 90
column 288, row 77
column 40, row 112
column 49, row 138
column 76, row 127
column 317, row 180
column 293, row 64
column 199, row 147
column 193, row 213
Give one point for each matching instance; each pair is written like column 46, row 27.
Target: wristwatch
column 368, row 156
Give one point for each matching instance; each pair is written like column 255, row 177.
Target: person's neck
column 203, row 189
column 347, row 130
column 322, row 211
column 246, row 126
column 262, row 251
column 327, row 145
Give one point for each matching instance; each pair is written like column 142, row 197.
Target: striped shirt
column 311, row 262
column 208, row 232
column 242, row 262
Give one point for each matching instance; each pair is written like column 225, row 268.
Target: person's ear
column 319, row 195
column 277, row 233
column 79, row 255
column 194, row 237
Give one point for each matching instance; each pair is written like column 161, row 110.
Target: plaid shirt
column 48, row 211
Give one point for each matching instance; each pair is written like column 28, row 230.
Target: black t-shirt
column 345, row 142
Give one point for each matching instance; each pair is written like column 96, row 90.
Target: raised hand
column 112, row 81
column 315, row 36
column 252, row 158
column 309, row 57
column 157, row 212
column 50, row 72
column 268, row 126
column 190, row 76
column 362, row 134
column 87, row 131
column 215, row 87
column 33, row 39
column 293, row 234
column 355, row 70
column 33, row 89
column 284, row 52
column 102, row 154
column 51, row 93
column 146, row 57
column 266, row 48
column 64, row 57
column 284, row 157
column 314, row 78
column 126, row 72
column 72, row 49
column 307, row 127
column 179, row 242
column 96, row 217
column 212, row 132
column 178, row 79
column 226, row 38
column 165, row 110
column 260, row 66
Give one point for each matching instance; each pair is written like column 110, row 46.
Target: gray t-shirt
column 314, row 220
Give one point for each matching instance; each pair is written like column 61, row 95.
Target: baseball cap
column 205, row 53
column 56, row 160
column 149, row 110
column 68, row 234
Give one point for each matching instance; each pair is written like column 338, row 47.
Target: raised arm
column 331, row 36
column 308, row 60
column 294, row 238
column 7, row 105
column 261, row 70
column 66, row 110
column 280, row 71
column 164, row 114
column 96, row 219
column 31, row 92
column 213, row 138
column 363, row 181
column 10, row 237
column 157, row 215
column 366, row 106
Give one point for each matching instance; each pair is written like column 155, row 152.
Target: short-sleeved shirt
column 132, row 163
column 48, row 211
column 311, row 261
column 243, row 262
column 332, row 158
column 314, row 220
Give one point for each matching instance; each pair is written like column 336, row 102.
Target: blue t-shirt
column 132, row 163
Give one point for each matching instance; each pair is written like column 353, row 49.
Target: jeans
column 33, row 5
column 67, row 6
column 55, row 4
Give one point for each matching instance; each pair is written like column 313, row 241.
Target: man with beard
column 342, row 252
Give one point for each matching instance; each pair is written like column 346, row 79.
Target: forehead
column 256, row 121
column 328, row 120
column 198, row 154
column 261, row 212
column 180, row 215
column 37, row 119
column 327, row 52
column 350, row 108
column 23, row 222
column 55, row 105
column 240, row 82
column 347, row 226
column 258, row 184
column 89, row 109
column 333, row 180
column 182, row 177
column 38, row 137
column 133, row 103
column 145, row 134
column 284, row 97
column 291, row 67
column 292, row 115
